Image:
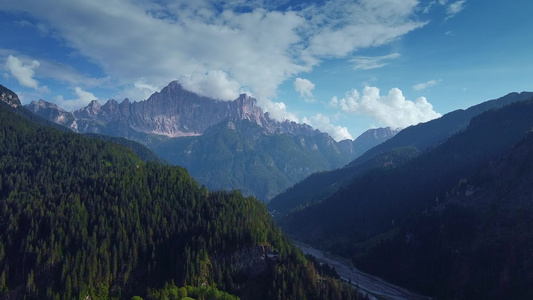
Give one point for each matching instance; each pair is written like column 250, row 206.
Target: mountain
column 200, row 133
column 479, row 237
column 321, row 185
column 239, row 154
column 392, row 152
column 8, row 97
column 54, row 113
column 427, row 135
column 368, row 140
column 173, row 112
column 409, row 224
column 84, row 218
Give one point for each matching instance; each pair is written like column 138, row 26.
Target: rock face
column 253, row 261
column 7, row 96
column 173, row 112
column 52, row 112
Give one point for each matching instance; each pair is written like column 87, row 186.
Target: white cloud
column 367, row 62
column 391, row 110
column 305, row 88
column 214, row 84
column 277, row 110
column 455, row 8
column 24, row 73
column 323, row 124
column 424, row 85
column 57, row 71
column 347, row 26
column 218, row 48
column 84, row 98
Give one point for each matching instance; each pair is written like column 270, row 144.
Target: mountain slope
column 8, row 97
column 143, row 152
column 239, row 154
column 321, row 185
column 367, row 205
column 479, row 238
column 392, row 152
column 427, row 135
column 372, row 207
column 85, row 218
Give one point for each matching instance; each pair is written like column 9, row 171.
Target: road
column 369, row 285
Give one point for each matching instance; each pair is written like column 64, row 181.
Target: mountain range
column 443, row 207
column 86, row 218
column 406, row 144
column 223, row 144
column 445, row 214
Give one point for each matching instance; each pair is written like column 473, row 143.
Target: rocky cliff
column 173, row 112
column 7, row 96
column 52, row 112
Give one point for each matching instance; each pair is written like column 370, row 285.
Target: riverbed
column 373, row 287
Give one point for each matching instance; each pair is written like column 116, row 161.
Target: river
column 373, row 287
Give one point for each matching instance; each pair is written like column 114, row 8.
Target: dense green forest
column 478, row 243
column 85, row 218
column 403, row 223
column 142, row 151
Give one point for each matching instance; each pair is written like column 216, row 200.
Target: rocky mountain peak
column 54, row 113
column 378, row 133
column 92, row 109
column 35, row 106
column 7, row 96
column 172, row 112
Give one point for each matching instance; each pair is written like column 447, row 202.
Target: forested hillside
column 403, row 223
column 403, row 146
column 476, row 244
column 84, row 218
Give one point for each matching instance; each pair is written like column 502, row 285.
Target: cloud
column 347, row 26
column 24, row 73
column 391, row 110
column 84, row 98
column 305, row 88
column 425, row 85
column 57, row 71
column 217, row 48
column 277, row 110
column 454, row 8
column 214, row 84
column 322, row 123
column 368, row 63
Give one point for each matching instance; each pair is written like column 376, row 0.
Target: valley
column 370, row 286
column 266, row 150
column 414, row 209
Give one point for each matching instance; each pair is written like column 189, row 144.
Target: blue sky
column 341, row 66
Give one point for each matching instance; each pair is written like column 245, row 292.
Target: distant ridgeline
column 451, row 218
column 83, row 218
column 223, row 144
